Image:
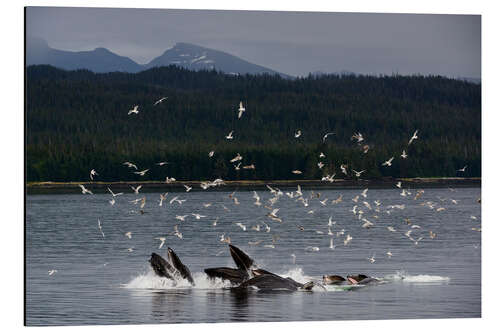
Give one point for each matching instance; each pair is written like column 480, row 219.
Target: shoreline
column 161, row 186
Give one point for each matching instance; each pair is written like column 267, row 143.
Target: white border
column 13, row 141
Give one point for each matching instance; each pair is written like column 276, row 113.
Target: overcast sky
column 295, row 43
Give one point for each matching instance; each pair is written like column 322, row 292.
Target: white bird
column 388, row 162
column 323, row 202
column 136, row 189
column 398, row 184
column 162, row 198
column 404, row 155
column 299, row 191
column 230, row 136
column 391, row 229
column 367, row 224
column 389, row 254
column 206, row 205
column 296, row 172
column 343, row 167
column 236, row 158
column 364, row 192
column 321, row 155
column 134, row 110
column 197, row 216
column 271, row 246
column 114, row 194
column 327, row 135
column 312, row 248
column 52, row 271
column 347, row 240
column 358, row 173
column 463, row 169
column 162, row 163
column 321, row 165
column 100, row 227
column 256, row 227
column 160, row 101
column 181, row 217
column 177, row 232
column 331, row 244
column 356, row 198
column 241, row 109
column 214, row 223
column 372, row 259
column 141, row 173
column 298, row 133
column 130, row 165
column 353, row 210
column 242, row 226
column 130, row 249
column 268, row 228
column 162, row 239
column 358, row 136
column 169, row 180
column 414, row 137
column 112, row 201
column 188, row 188
column 128, row 234
column 331, row 222
column 84, row 190
column 93, row 173
column 211, row 153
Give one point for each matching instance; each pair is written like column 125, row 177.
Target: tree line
column 77, row 121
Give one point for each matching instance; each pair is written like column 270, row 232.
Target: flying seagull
column 134, row 110
column 414, row 137
column 84, row 190
column 326, row 136
column 241, row 110
column 160, row 101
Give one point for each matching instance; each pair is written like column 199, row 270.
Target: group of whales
column 247, row 274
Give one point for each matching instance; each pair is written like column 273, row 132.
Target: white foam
column 421, row 278
column 151, row 281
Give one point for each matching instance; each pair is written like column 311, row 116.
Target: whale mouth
column 351, row 280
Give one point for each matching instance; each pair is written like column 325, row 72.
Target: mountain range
column 101, row 60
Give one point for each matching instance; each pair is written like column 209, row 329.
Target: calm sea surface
column 107, row 280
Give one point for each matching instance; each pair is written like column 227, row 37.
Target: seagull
column 143, row 202
column 463, row 169
column 298, row 133
column 160, row 101
column 312, row 248
column 432, row 235
column 197, row 216
column 241, row 110
column 268, row 228
column 114, row 194
column 321, row 155
column 367, row 224
column 358, row 136
column 128, row 234
column 181, row 217
column 230, row 136
column 331, row 244
column 162, row 198
column 187, row 188
column 398, row 184
column 211, row 153
column 331, row 222
column 327, row 135
column 169, row 180
column 391, row 229
column 249, row 167
column 256, row 227
column 403, row 155
column 100, row 227
column 270, row 246
column 130, row 249
column 358, row 173
column 414, row 137
column 237, row 158
column 141, row 173
column 162, row 239
column 299, row 191
column 364, row 192
column 365, row 149
column 372, row 259
column 92, row 174
column 134, row 110
column 215, row 221
column 321, row 165
column 112, row 201
column 389, row 254
column 130, row 165
column 162, row 163
column 323, row 202
column 338, row 200
column 52, row 271
column 242, row 226
column 388, row 162
column 297, row 172
column 347, row 240
column 136, row 189
column 343, row 167
column 177, row 232
column 84, row 190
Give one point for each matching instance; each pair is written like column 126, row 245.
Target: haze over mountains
column 101, row 60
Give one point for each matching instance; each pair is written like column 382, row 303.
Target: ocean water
column 107, row 279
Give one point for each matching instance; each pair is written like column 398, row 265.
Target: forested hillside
column 77, row 121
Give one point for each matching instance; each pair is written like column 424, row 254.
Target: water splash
column 150, row 280
column 421, row 278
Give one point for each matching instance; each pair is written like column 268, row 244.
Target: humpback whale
column 172, row 269
column 273, row 282
column 235, row 275
column 333, row 279
column 361, row 279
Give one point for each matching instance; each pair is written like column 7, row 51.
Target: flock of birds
column 366, row 211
